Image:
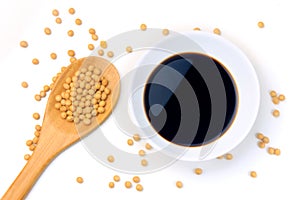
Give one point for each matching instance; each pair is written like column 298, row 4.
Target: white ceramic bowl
column 237, row 64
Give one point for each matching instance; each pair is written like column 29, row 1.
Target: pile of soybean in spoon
column 84, row 95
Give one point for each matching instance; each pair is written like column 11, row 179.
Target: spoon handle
column 28, row 176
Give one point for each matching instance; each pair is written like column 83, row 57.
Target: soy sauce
column 190, row 99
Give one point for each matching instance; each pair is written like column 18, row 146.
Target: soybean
column 165, row 32
column 217, row 31
column 273, row 93
column 78, row 21
column 266, row 140
column 94, row 37
column 144, row 162
column 24, row 44
column 277, row 152
column 24, row 84
column 53, row 56
column 26, row 157
column 110, row 159
column 72, row 11
column 71, row 53
column 47, row 31
column 260, row 24
column 116, row 178
column 128, row 184
column 130, row 142
column 55, row 12
column 91, row 47
column 271, row 150
column 100, row 52
column 128, row 49
column 276, row 113
column 111, row 184
column 35, row 61
column 79, row 180
column 148, row 146
column 136, row 137
column 143, row 27
column 136, row 179
column 198, row 171
column 29, row 142
column 70, row 33
column 281, row 97
column 253, row 174
column 58, row 20
column 139, row 187
column 228, row 156
column 38, row 127
column 179, row 184
column 103, row 44
column 259, row 136
column 142, row 152
column 261, row 145
column 275, row 100
column 92, row 31
column 110, row 54
column 36, row 116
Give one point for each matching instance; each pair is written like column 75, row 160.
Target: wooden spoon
column 57, row 134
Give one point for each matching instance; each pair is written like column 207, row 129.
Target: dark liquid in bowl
column 178, row 99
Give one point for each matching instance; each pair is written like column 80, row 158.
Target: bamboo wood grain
column 57, row 134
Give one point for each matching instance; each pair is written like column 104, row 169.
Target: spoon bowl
column 57, row 134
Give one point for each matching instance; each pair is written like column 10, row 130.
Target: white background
column 272, row 50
